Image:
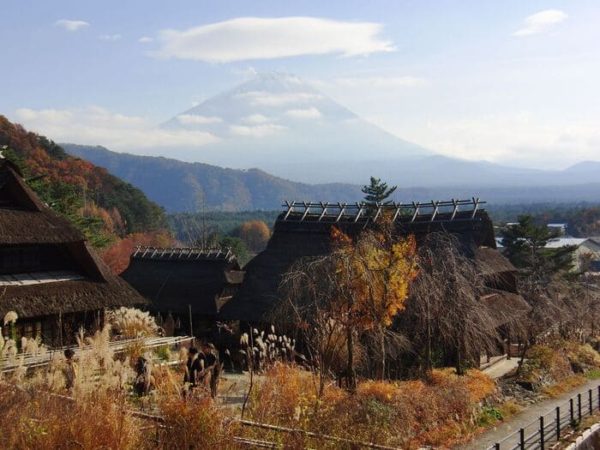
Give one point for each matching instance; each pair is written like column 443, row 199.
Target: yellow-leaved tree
column 374, row 271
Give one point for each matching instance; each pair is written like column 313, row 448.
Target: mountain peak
column 279, row 122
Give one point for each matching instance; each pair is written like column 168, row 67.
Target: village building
column 304, row 230
column 49, row 274
column 586, row 256
column 185, row 287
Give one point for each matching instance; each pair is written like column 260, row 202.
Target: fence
column 553, row 425
column 434, row 211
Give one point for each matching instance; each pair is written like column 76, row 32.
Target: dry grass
column 565, row 385
column 407, row 414
column 560, row 367
column 34, row 419
column 195, row 423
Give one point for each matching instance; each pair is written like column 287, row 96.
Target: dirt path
column 527, row 419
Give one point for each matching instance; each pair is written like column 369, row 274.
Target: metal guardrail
column 549, row 428
column 434, row 211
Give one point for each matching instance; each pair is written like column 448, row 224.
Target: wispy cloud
column 541, row 22
column 71, row 25
column 99, row 126
column 195, row 119
column 306, row 113
column 110, row 37
column 256, row 131
column 252, row 38
column 145, row 40
column 381, row 82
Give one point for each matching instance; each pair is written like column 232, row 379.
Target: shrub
column 407, row 413
column 132, row 323
column 195, row 422
column 37, row 420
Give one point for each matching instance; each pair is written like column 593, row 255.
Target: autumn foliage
column 101, row 205
column 255, row 234
column 117, row 255
column 379, row 268
column 405, row 414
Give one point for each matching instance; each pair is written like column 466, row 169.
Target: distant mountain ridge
column 180, row 186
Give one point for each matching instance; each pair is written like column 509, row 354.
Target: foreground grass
column 407, row 414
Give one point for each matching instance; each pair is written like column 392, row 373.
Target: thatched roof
column 27, row 225
column 505, row 307
column 490, row 261
column 66, row 297
column 24, row 219
column 298, row 233
column 174, row 279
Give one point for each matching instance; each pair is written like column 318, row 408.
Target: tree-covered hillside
column 193, row 187
column 103, row 206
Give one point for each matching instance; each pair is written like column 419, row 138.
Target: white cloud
column 265, row 98
column 71, row 25
column 381, row 82
column 98, row 126
column 521, row 138
column 145, row 40
column 306, row 113
column 196, row 119
column 252, row 38
column 540, row 22
column 110, row 37
column 257, row 131
column 256, row 118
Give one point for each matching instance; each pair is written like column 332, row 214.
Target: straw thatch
column 505, row 308
column 173, row 280
column 295, row 239
column 30, row 227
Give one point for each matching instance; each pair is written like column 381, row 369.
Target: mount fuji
column 283, row 125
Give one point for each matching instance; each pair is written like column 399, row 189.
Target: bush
column 38, row 420
column 407, row 413
column 195, row 422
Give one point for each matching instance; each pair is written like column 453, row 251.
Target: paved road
column 501, row 368
column 529, row 416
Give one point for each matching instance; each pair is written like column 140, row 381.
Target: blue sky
column 510, row 81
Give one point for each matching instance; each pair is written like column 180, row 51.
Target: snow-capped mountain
column 283, row 125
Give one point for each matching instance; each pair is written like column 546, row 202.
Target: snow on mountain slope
column 281, row 123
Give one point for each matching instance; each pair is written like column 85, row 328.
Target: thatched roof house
column 177, row 279
column 49, row 275
column 304, row 230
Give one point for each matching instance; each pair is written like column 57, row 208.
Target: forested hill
column 181, row 186
column 103, row 206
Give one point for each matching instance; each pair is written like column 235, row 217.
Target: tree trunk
column 350, row 375
column 428, row 357
column 382, row 349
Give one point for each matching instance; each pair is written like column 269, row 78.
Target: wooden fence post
column 579, row 407
column 591, row 398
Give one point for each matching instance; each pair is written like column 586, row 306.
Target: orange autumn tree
column 374, row 272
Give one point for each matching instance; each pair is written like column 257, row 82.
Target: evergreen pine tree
column 377, row 192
